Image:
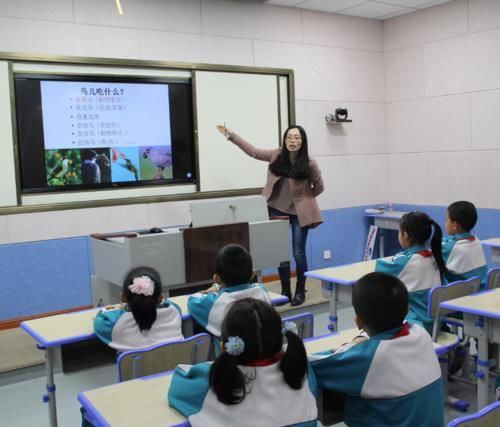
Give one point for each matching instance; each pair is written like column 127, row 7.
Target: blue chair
column 437, row 295
column 493, row 279
column 163, row 357
column 304, row 322
column 489, row 416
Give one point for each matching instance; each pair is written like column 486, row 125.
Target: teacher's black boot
column 284, row 272
column 300, row 294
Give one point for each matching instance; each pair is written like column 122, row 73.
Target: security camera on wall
column 340, row 116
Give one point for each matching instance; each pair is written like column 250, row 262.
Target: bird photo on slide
column 120, row 158
column 160, row 158
column 63, row 167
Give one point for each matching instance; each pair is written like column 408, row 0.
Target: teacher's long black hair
column 282, row 166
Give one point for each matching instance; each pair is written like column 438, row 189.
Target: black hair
column 418, row 226
column 143, row 307
column 464, row 213
column 282, row 166
column 234, row 265
column 381, row 301
column 259, row 326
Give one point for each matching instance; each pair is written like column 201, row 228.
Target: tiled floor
column 21, row 394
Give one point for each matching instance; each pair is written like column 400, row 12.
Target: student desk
column 481, row 321
column 53, row 331
column 143, row 401
column 139, row 402
column 494, row 245
column 337, row 284
column 389, row 220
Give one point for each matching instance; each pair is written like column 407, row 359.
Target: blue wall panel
column 44, row 276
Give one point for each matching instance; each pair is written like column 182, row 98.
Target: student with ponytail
column 416, row 266
column 143, row 318
column 255, row 380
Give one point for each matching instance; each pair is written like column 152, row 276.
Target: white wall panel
column 48, row 10
column 319, row 71
column 405, row 126
column 367, row 179
column 334, row 171
column 485, row 112
column 168, row 214
column 163, row 46
column 407, row 178
column 4, row 231
column 404, row 74
column 363, row 75
column 19, row 35
column 251, row 21
column 173, row 15
column 484, row 14
column 435, row 23
column 483, row 60
column 79, row 222
column 446, row 123
column 446, row 66
column 329, row 29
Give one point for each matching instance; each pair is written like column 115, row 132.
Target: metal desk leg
column 381, row 243
column 482, row 374
column 333, row 304
column 50, row 396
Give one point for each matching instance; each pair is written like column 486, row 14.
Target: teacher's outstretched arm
column 245, row 146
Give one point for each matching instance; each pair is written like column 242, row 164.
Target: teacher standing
column 293, row 182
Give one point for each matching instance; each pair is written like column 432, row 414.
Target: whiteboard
column 246, row 104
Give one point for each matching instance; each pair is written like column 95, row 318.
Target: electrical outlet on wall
column 327, row 254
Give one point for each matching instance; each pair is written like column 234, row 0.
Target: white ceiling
column 375, row 9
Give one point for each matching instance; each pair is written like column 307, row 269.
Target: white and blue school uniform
column 210, row 309
column 464, row 258
column 417, row 269
column 269, row 400
column 392, row 379
column 118, row 328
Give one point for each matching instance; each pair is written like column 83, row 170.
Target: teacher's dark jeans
column 299, row 239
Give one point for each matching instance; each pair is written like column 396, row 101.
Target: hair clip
column 234, row 346
column 290, row 327
column 142, row 286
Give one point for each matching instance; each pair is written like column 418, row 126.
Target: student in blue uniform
column 416, row 266
column 392, row 378
column 233, row 272
column 462, row 251
column 143, row 318
column 254, row 381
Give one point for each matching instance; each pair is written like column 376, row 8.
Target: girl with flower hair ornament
column 256, row 380
column 144, row 318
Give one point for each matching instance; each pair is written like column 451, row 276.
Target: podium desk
column 53, row 331
column 337, row 284
column 494, row 245
column 389, row 220
column 115, row 254
column 481, row 321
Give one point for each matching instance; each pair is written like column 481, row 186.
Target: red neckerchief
column 405, row 330
column 426, row 253
column 265, row 362
column 470, row 238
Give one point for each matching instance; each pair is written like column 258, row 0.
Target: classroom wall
column 422, row 91
column 338, row 61
column 442, row 77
